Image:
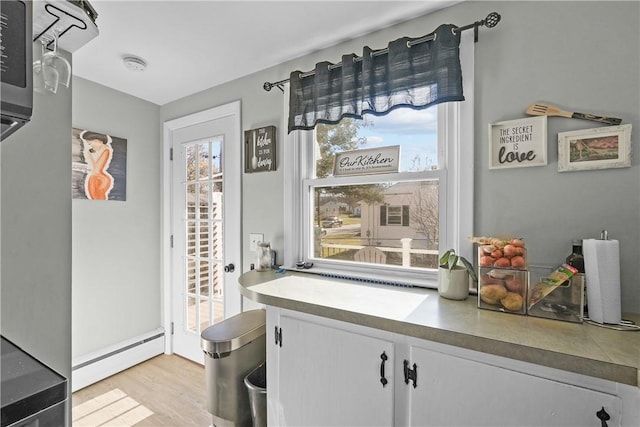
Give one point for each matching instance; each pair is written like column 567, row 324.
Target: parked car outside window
column 332, row 221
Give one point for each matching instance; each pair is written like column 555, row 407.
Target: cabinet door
column 453, row 391
column 273, row 371
column 332, row 377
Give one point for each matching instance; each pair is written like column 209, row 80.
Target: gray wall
column 581, row 55
column 578, row 55
column 116, row 244
column 36, row 232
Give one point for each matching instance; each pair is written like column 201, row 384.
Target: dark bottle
column 576, row 259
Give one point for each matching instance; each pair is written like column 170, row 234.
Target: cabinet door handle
column 384, row 358
column 410, row 374
column 278, row 336
column 603, row 417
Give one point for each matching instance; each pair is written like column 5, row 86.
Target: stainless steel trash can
column 233, row 348
column 256, row 383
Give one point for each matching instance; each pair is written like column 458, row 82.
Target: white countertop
column 421, row 313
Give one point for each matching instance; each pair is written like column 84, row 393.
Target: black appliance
column 33, row 395
column 16, row 58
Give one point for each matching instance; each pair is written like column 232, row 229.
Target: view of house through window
column 384, row 218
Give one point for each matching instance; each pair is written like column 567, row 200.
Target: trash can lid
column 234, row 332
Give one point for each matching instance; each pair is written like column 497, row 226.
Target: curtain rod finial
column 492, row 19
column 268, row 86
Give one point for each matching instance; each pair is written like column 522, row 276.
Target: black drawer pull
column 384, row 358
column 603, row 417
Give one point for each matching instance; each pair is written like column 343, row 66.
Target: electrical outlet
column 254, row 239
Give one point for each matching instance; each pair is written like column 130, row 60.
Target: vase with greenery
column 453, row 276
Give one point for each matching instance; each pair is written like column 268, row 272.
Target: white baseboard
column 94, row 367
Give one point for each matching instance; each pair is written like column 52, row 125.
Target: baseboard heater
column 96, row 366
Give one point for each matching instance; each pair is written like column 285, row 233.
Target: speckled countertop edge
column 578, row 348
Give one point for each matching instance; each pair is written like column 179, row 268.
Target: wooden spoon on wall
column 542, row 109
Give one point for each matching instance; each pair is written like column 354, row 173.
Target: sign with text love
column 367, row 161
column 518, row 143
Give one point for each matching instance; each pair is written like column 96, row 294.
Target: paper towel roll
column 602, row 274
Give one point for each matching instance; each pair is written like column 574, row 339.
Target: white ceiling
column 190, row 46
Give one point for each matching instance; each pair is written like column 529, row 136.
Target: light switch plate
column 254, row 238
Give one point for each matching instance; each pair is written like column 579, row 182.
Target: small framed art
column 98, row 166
column 260, row 149
column 600, row 148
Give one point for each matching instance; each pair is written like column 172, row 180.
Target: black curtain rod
column 490, row 21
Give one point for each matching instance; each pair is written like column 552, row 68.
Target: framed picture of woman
column 99, row 166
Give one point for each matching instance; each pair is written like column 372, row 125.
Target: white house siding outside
column 333, row 209
column 406, row 233
column 421, row 200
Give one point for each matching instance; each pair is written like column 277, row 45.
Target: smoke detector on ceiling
column 134, row 63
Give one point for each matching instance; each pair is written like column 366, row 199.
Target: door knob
column 230, row 268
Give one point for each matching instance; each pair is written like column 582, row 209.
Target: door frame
column 169, row 126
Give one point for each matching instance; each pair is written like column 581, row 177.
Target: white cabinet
column 324, row 375
column 455, row 391
column 326, row 372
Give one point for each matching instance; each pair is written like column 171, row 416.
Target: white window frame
column 456, row 151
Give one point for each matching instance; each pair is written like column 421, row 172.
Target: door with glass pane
column 206, row 229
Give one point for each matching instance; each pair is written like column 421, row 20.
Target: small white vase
column 453, row 284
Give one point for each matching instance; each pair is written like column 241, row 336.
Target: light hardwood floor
column 163, row 391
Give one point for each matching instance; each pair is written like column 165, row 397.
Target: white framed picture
column 600, row 148
column 518, row 143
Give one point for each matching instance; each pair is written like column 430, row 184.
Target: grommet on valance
column 407, row 73
column 490, row 21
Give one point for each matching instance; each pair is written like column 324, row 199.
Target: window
column 396, row 215
column 384, row 226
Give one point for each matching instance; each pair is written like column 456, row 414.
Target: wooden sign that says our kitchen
column 260, row 149
column 518, row 143
column 367, row 161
